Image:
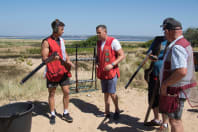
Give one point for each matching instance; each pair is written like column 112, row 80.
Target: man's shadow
column 193, row 110
column 41, row 108
column 132, row 122
column 86, row 107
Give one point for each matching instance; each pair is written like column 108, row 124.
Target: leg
column 114, row 97
column 66, row 115
column 164, row 125
column 156, row 113
column 164, row 119
column 116, row 115
column 175, row 118
column 176, row 125
column 153, row 98
column 107, row 103
column 52, row 104
column 51, row 98
column 65, row 90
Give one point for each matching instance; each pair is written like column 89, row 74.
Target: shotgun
column 141, row 65
column 38, row 67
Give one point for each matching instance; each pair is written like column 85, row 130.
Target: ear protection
column 55, row 28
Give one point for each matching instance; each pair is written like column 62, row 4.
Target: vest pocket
column 168, row 104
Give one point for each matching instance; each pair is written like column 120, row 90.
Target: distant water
column 84, row 37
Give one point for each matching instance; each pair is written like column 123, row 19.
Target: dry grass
column 13, row 70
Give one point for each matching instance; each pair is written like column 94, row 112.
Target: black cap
column 171, row 24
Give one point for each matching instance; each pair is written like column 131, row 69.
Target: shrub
column 191, row 34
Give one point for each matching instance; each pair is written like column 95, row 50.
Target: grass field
column 16, row 61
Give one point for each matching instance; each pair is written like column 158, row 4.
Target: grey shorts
column 178, row 114
column 109, row 86
column 63, row 82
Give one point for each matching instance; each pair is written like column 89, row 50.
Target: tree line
column 191, row 34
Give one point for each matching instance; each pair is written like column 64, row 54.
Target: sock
column 157, row 121
column 53, row 113
column 65, row 111
column 165, row 125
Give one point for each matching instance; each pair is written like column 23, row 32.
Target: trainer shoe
column 107, row 115
column 67, row 117
column 153, row 123
column 116, row 115
column 52, row 119
column 163, row 128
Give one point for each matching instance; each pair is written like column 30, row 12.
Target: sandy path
column 84, row 109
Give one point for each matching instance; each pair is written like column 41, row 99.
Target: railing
column 93, row 78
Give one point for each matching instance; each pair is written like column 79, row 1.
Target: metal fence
column 92, row 80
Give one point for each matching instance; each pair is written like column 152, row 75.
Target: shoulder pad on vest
column 183, row 42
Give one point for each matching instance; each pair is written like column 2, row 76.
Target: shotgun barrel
column 141, row 65
column 38, row 67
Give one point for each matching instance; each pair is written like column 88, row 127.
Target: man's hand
column 153, row 57
column 56, row 57
column 163, row 89
column 97, row 66
column 71, row 64
column 108, row 67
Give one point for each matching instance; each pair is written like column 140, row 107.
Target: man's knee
column 51, row 94
column 65, row 90
column 175, row 122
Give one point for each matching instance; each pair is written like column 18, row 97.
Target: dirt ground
column 85, row 109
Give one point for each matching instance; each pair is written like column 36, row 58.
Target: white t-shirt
column 115, row 45
column 179, row 57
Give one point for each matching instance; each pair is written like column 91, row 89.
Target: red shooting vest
column 105, row 57
column 55, row 70
column 189, row 80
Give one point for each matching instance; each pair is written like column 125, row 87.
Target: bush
column 34, row 51
column 147, row 44
column 191, row 34
column 90, row 42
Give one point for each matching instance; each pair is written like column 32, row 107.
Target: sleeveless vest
column 105, row 57
column 55, row 70
column 189, row 80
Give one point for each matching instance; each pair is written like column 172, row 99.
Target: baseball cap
column 171, row 24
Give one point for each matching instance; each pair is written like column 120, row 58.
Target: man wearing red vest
column 56, row 73
column 109, row 54
column 177, row 74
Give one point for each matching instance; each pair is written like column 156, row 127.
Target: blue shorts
column 109, row 86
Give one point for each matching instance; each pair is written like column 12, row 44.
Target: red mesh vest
column 189, row 80
column 55, row 71
column 105, row 57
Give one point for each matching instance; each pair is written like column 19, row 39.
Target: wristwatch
column 113, row 64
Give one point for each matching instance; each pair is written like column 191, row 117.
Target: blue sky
column 122, row 17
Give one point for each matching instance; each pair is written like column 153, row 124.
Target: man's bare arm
column 45, row 50
column 121, row 56
column 176, row 76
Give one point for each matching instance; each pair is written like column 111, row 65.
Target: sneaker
column 52, row 119
column 163, row 128
column 153, row 123
column 67, row 117
column 116, row 115
column 107, row 116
